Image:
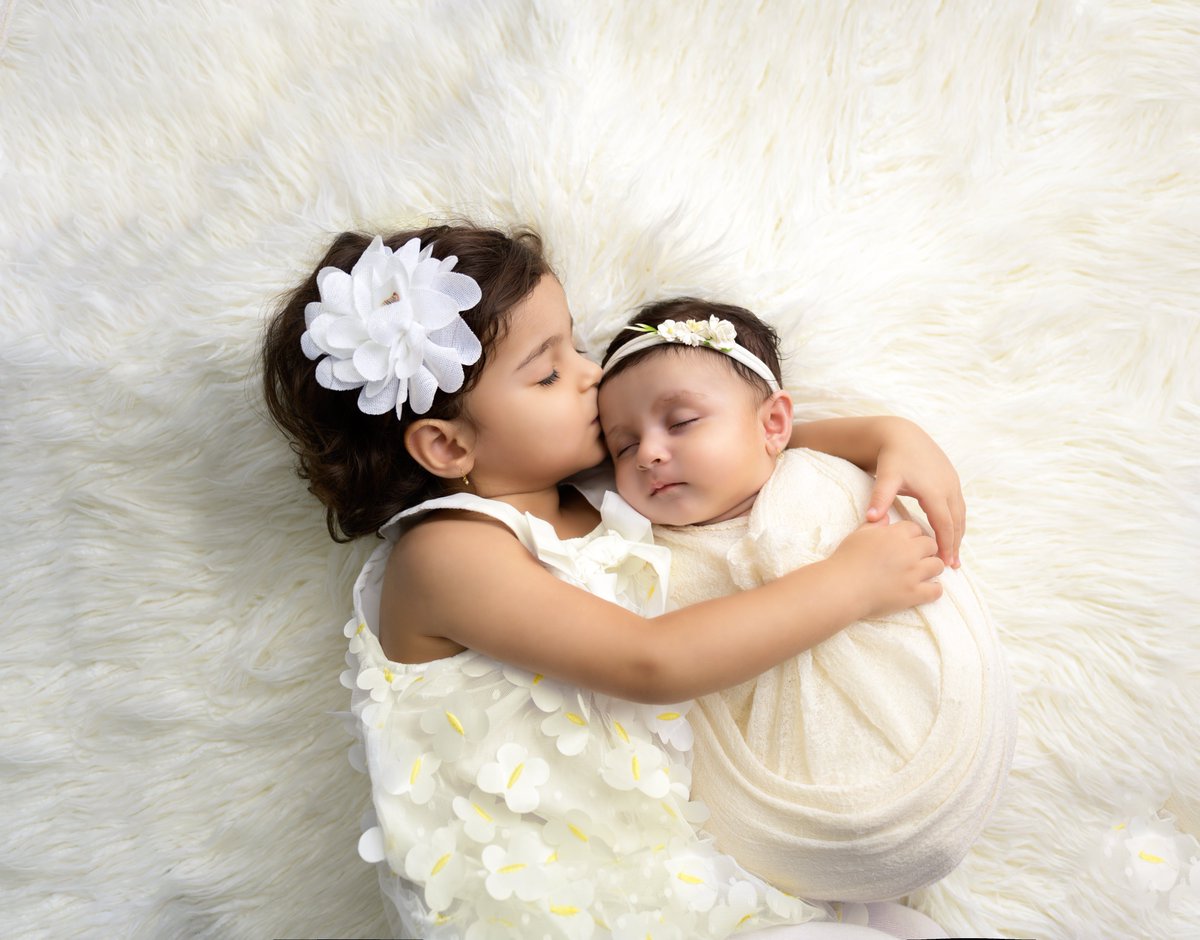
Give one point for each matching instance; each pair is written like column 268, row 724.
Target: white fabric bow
column 392, row 327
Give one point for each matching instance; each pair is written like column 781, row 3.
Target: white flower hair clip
column 714, row 333
column 392, row 327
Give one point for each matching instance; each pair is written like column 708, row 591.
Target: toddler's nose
column 589, row 372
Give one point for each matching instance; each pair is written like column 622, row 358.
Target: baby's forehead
column 682, row 367
column 668, row 379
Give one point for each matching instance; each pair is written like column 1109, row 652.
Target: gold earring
column 466, row 482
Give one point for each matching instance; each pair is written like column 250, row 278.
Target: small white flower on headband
column 392, row 328
column 714, row 332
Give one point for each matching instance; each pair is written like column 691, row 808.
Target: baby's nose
column 649, row 454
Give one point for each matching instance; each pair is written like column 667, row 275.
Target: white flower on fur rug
column 1152, row 858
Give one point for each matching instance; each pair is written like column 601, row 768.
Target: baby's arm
column 905, row 461
column 470, row 581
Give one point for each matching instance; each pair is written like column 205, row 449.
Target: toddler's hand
column 890, row 567
column 911, row 464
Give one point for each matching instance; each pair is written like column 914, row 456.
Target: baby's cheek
column 629, row 491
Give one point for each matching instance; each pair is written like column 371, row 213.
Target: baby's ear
column 776, row 415
column 444, row 448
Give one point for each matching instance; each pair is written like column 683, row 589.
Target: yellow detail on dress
column 455, row 723
column 516, row 774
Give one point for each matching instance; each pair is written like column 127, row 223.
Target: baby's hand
column 890, row 567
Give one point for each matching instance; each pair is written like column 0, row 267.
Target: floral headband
column 714, row 333
column 391, row 327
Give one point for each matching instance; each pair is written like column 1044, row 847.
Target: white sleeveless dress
column 508, row 804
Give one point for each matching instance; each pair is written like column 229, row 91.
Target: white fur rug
column 983, row 216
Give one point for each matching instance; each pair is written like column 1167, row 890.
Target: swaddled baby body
column 865, row 767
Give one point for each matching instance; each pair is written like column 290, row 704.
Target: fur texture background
column 982, row 216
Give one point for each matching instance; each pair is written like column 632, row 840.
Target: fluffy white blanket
column 982, row 216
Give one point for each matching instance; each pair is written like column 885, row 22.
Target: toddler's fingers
column 928, row 592
column 941, row 518
column 914, row 530
column 882, row 497
column 960, row 526
column 931, row 567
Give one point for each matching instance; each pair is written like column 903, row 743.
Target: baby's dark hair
column 356, row 464
column 754, row 334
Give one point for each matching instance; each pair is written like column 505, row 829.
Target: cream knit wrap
column 865, row 767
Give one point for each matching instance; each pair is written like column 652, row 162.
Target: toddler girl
column 432, row 394
column 863, row 767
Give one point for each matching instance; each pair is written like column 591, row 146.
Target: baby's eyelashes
column 621, row 446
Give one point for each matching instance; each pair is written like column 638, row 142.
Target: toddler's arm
column 472, row 582
column 905, row 461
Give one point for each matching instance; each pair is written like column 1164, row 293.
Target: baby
column 865, row 767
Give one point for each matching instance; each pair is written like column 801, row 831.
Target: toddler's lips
column 660, row 487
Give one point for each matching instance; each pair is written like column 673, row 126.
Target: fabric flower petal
column 459, row 287
column 336, row 289
column 382, row 403
column 371, row 360
column 445, row 367
column 421, row 389
column 370, row 845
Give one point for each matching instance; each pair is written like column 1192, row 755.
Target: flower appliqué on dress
column 439, row 866
column 520, row 869
column 454, row 726
column 516, row 776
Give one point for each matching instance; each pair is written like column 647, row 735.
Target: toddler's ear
column 776, row 415
column 444, row 448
